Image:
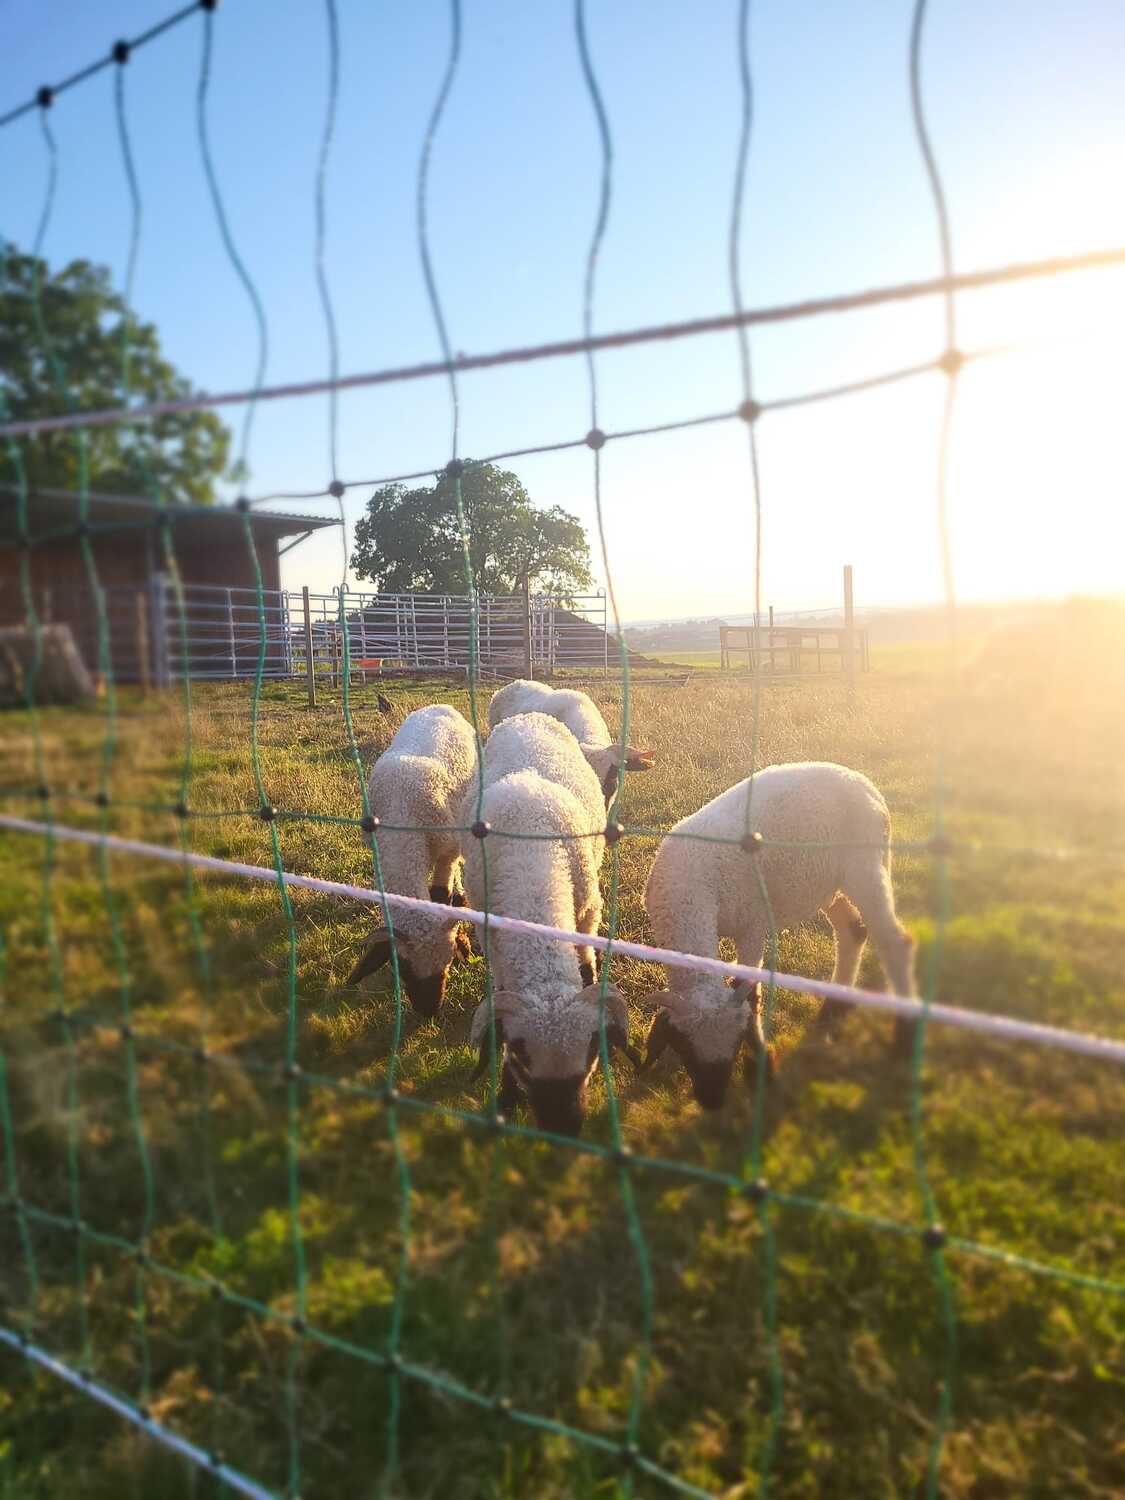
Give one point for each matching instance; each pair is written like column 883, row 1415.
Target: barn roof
column 54, row 514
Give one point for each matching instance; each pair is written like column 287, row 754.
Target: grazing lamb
column 419, row 781
column 546, row 1002
column 581, row 715
column 698, row 893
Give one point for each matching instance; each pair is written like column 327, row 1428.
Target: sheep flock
column 521, row 831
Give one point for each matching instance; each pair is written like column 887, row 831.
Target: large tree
column 409, row 541
column 82, row 338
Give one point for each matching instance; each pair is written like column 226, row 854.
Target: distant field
column 883, row 657
column 521, row 1275
column 700, row 659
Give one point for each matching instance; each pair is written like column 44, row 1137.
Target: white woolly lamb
column 419, row 783
column 698, row 893
column 537, row 784
column 582, row 717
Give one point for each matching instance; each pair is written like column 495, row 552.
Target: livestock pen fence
column 57, row 1032
column 217, row 634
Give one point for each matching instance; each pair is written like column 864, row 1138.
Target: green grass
column 702, row 660
column 520, row 1267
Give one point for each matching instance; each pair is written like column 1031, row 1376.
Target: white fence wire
column 1104, row 1048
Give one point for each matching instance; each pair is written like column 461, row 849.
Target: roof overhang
column 56, row 515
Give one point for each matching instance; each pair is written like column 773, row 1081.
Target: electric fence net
column 274, row 1247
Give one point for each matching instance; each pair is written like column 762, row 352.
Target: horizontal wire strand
column 528, row 354
column 85, row 1383
column 915, row 847
column 165, row 514
column 1082, row 1043
column 93, row 68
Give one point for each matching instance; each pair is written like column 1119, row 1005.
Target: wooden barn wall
column 129, row 558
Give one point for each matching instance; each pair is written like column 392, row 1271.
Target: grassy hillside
column 521, row 1276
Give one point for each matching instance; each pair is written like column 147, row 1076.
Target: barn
column 126, row 537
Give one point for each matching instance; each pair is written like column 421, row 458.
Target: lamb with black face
column 780, row 848
column 415, row 791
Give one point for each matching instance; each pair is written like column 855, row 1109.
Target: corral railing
column 219, row 635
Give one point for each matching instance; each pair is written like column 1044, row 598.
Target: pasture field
column 521, row 1276
column 702, row 661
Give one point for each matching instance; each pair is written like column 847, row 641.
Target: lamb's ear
column 659, row 1035
column 375, row 955
column 654, row 1001
column 604, row 759
column 462, row 948
column 478, row 1038
column 639, row 760
column 616, row 1019
column 504, row 1005
column 617, row 1028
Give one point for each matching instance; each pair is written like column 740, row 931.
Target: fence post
column 338, row 596
column 141, row 612
column 162, row 665
column 310, row 673
column 849, row 630
column 230, row 636
column 528, row 648
column 286, row 613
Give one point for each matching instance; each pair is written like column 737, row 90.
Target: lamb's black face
column 559, row 1104
column 709, row 1076
column 424, row 991
column 709, row 1080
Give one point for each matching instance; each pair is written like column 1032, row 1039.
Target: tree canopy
column 409, row 540
column 86, row 322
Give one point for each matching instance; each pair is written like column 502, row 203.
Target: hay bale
column 62, row 676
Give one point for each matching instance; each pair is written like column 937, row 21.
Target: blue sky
column 1028, row 120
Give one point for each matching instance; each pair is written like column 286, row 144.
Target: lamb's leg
column 870, row 888
column 851, row 935
column 589, row 922
column 446, row 887
column 751, row 946
column 443, row 881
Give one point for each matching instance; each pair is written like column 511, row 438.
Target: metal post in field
column 310, row 673
column 162, row 663
column 849, row 630
column 286, row 612
column 230, row 637
column 528, row 654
